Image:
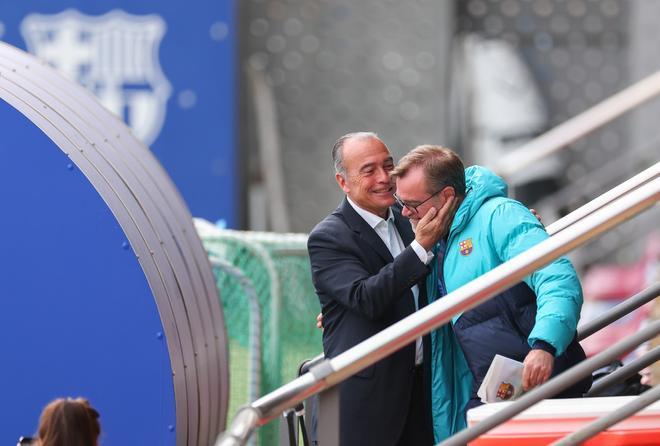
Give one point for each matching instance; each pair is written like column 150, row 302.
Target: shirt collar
column 372, row 219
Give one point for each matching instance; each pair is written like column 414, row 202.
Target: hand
column 319, row 321
column 536, row 214
column 435, row 224
column 537, row 368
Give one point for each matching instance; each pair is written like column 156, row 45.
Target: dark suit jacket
column 362, row 291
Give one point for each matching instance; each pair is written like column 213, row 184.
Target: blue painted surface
column 197, row 142
column 77, row 317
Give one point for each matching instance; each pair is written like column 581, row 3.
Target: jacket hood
column 481, row 185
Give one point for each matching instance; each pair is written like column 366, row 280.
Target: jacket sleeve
column 339, row 273
column 514, row 229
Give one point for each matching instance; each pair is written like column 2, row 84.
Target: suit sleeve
column 339, row 273
column 558, row 292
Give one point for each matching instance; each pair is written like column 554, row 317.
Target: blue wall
column 196, row 56
column 77, row 317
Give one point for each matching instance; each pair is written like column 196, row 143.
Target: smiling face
column 367, row 165
column 412, row 189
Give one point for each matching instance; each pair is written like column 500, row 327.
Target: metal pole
column 592, row 429
column 270, row 151
column 625, row 307
column 254, row 359
column 579, row 126
column 255, row 324
column 241, row 427
column 624, row 372
column 402, row 333
column 609, row 196
column 311, row 408
column 554, row 386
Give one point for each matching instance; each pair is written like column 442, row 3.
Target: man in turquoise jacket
column 534, row 322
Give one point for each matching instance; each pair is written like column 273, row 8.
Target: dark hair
column 338, row 148
column 442, row 167
column 69, row 422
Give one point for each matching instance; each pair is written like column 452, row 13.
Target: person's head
column 69, row 422
column 362, row 169
column 426, row 177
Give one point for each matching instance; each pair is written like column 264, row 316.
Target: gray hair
column 338, row 148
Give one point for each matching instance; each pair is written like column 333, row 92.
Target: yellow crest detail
column 465, row 247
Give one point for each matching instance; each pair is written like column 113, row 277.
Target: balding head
column 363, row 172
column 338, row 148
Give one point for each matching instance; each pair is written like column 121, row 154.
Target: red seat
column 551, row 420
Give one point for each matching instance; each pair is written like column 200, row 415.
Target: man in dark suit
column 368, row 269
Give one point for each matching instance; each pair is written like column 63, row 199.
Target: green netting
column 277, row 266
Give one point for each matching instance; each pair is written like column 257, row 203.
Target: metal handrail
column 579, row 126
column 617, row 312
column 624, row 308
column 609, row 196
column 590, row 430
column 554, row 386
column 590, row 183
column 297, row 414
column 629, row 305
column 334, row 370
column 624, row 372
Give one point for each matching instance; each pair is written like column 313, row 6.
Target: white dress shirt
column 381, row 227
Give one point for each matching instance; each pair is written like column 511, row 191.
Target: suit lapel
column 366, row 232
column 407, row 235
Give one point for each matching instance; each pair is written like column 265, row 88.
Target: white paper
column 503, row 381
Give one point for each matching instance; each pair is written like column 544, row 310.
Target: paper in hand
column 503, row 381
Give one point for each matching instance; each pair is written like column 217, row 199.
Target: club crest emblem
column 114, row 55
column 505, row 391
column 465, row 246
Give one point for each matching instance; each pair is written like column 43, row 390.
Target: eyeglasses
column 413, row 208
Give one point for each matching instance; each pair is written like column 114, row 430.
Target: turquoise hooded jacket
column 488, row 230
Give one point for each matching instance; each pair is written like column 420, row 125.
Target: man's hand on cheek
column 435, row 224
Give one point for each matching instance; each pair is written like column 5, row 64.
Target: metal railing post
column 592, row 429
column 288, row 429
column 554, row 386
column 312, row 404
column 328, row 421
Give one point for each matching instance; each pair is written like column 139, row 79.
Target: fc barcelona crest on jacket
column 465, row 246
